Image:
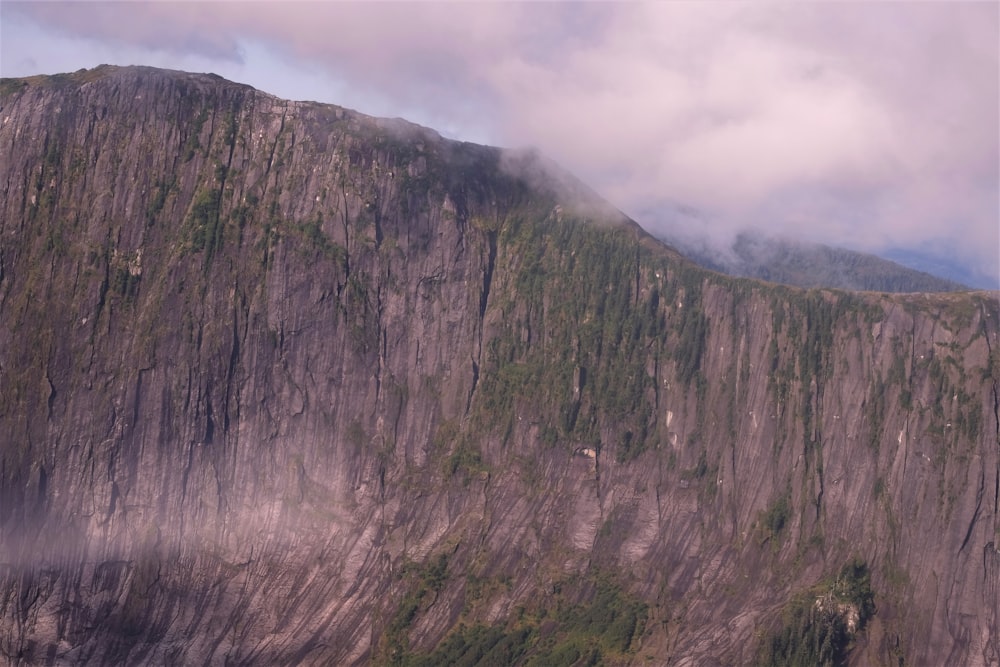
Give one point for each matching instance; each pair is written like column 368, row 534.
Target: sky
column 868, row 125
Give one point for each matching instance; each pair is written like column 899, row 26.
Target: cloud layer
column 866, row 125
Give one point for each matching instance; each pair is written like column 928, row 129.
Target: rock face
column 284, row 384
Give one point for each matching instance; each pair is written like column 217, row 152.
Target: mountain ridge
column 781, row 257
column 812, row 265
column 283, row 387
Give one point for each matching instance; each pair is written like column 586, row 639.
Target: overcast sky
column 865, row 125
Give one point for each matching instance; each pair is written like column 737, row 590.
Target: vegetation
column 163, row 188
column 586, row 352
column 775, row 518
column 599, row 629
column 466, row 460
column 10, row 86
column 429, row 580
column 817, row 628
column 193, row 142
column 205, row 223
column 312, row 231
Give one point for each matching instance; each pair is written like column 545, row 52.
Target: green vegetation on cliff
column 600, row 629
column 817, row 627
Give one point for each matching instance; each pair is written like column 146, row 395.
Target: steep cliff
column 281, row 383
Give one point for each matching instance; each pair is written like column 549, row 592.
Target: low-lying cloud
column 862, row 124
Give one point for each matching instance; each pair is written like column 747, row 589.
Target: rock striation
column 281, row 383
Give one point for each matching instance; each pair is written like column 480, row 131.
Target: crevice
column 233, row 132
column 50, row 403
column 819, row 494
column 2, row 274
column 377, row 222
column 113, row 504
column 381, row 487
column 975, row 514
column 491, row 239
column 472, row 390
column 234, row 356
column 597, row 479
column 187, row 471
column 487, row 515
column 347, row 238
column 383, row 344
column 484, row 298
column 659, row 503
column 209, row 417
column 137, row 401
column 638, row 268
column 993, row 373
column 274, row 149
column 733, row 493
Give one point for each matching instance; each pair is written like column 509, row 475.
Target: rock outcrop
column 284, row 384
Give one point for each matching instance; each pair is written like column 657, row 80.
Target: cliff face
column 281, row 383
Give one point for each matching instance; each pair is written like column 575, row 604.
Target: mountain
column 927, row 262
column 755, row 255
column 281, row 383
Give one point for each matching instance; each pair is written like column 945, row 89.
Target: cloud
column 861, row 124
column 181, row 28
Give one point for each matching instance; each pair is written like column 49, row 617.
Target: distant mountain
column 803, row 264
column 928, row 263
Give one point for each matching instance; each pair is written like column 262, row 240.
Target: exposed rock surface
column 266, row 366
